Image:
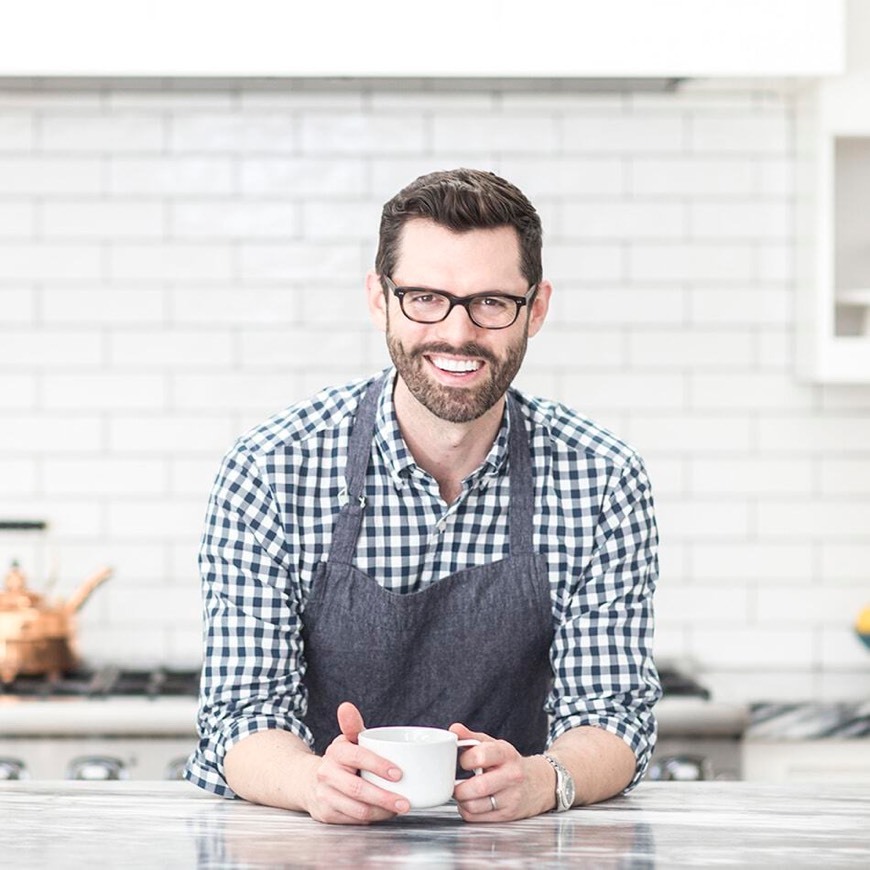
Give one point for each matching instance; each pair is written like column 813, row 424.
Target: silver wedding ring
column 492, row 802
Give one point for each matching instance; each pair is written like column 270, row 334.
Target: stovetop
column 106, row 682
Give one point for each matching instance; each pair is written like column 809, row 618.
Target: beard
column 455, row 404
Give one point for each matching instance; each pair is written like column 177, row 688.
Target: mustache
column 470, row 348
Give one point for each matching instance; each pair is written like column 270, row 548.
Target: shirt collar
column 400, row 463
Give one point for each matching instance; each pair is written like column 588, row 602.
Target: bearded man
column 431, row 546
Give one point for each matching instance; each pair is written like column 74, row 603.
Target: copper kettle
column 36, row 636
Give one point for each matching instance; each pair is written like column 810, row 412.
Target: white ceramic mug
column 426, row 756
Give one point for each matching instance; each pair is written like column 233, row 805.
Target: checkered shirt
column 270, row 520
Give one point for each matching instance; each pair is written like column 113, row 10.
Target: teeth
column 456, row 365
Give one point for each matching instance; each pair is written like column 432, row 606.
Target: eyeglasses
column 486, row 310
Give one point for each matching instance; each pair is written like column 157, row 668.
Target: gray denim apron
column 472, row 647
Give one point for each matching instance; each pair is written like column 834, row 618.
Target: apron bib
column 473, row 647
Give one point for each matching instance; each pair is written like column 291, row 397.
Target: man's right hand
column 339, row 795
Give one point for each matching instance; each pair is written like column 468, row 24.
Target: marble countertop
column 809, row 721
column 174, row 825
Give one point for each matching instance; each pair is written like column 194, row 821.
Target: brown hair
column 462, row 200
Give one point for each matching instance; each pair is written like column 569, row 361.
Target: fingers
column 495, row 795
column 473, row 757
column 343, row 797
column 350, row 721
column 490, row 797
column 497, row 758
column 351, row 757
column 482, row 799
column 464, row 733
column 492, row 808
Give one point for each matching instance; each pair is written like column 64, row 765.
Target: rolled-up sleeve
column 604, row 674
column 252, row 661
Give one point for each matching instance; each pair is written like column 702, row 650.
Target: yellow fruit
column 862, row 624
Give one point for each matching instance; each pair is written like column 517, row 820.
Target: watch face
column 569, row 792
column 565, row 791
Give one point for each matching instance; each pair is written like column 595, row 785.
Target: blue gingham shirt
column 270, row 520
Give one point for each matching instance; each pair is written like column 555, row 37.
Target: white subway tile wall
column 178, row 261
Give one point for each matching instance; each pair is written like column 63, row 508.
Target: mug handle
column 465, row 743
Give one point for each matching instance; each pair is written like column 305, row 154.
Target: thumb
column 350, row 721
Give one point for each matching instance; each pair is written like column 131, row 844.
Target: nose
column 458, row 326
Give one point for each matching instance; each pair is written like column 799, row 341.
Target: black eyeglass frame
column 463, row 301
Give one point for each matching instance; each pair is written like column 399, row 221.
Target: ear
column 539, row 307
column 377, row 300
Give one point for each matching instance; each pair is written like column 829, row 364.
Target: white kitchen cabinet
column 833, row 231
column 828, row 760
column 394, row 38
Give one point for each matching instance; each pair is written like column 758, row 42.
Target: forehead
column 436, row 256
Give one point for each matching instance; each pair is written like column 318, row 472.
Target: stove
column 100, row 724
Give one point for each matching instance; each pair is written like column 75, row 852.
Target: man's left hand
column 510, row 787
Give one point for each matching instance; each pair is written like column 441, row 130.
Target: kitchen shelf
column 833, row 231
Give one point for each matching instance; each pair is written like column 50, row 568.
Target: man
column 431, row 547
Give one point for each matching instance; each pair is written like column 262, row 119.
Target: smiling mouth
column 455, row 366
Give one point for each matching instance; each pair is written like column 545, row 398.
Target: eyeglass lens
column 492, row 312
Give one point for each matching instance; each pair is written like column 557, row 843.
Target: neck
column 448, row 451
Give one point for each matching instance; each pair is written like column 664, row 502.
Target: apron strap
column 522, row 493
column 349, row 521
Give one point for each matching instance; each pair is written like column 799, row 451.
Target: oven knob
column 680, row 768
column 13, row 768
column 96, row 768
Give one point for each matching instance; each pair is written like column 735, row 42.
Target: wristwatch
column 565, row 790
